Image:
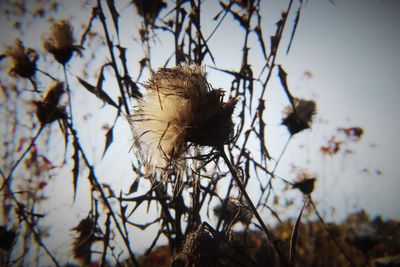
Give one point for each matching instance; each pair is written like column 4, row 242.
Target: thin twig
column 268, row 233
column 32, row 143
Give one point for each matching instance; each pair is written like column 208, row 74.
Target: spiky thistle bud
column 23, row 60
column 180, row 109
column 60, row 42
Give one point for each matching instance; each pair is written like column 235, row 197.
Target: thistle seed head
column 179, row 110
column 23, row 60
column 60, row 42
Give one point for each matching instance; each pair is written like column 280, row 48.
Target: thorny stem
column 178, row 27
column 272, row 173
column 93, row 180
column 68, row 91
column 267, row 232
column 113, row 60
column 22, row 213
column 330, row 234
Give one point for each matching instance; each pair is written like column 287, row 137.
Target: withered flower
column 306, row 185
column 149, row 9
column 23, row 60
column 299, row 118
column 60, row 42
column 48, row 110
column 179, row 110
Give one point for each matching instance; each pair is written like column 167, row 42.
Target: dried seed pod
column 299, row 118
column 179, row 110
column 60, row 42
column 23, row 60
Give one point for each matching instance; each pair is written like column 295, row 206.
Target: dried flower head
column 23, row 60
column 61, row 41
column 179, row 110
column 149, row 9
column 305, row 185
column 48, row 110
column 300, row 117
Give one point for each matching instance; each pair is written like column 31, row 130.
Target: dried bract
column 48, row 110
column 60, row 42
column 23, row 60
column 179, row 110
column 299, row 118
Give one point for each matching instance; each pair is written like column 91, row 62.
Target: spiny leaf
column 283, row 77
column 87, row 85
column 257, row 30
column 99, row 88
column 75, row 169
column 134, row 187
column 293, row 240
column 109, row 139
column 114, row 14
column 296, row 22
column 98, row 91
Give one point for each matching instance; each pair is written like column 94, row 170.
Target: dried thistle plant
column 60, row 42
column 179, row 110
column 23, row 59
column 299, row 116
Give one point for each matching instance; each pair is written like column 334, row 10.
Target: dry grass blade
column 293, row 239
